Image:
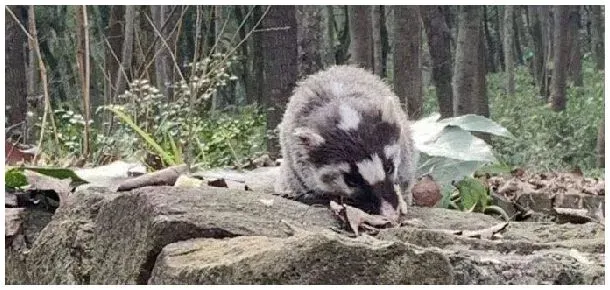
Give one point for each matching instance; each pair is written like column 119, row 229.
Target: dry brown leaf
column 357, row 219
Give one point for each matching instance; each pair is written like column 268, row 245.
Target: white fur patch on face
column 392, row 152
column 350, row 118
column 371, row 169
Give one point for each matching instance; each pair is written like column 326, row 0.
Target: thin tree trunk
column 537, row 44
column 258, row 59
column 33, row 79
column 163, row 62
column 376, row 22
column 560, row 58
column 310, row 39
column 15, row 88
column 385, row 43
column 361, row 36
column 407, row 59
column 281, row 67
column 498, row 38
column 114, row 35
column 82, row 60
column 597, row 36
column 509, row 56
column 466, row 60
column 126, row 51
column 491, row 63
column 439, row 39
column 329, row 35
column 547, row 34
column 601, row 141
column 344, row 37
column 574, row 58
column 517, row 33
column 480, row 96
column 44, row 81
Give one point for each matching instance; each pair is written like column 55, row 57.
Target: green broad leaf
column 14, row 178
column 477, row 123
column 456, row 143
column 446, row 170
column 57, row 172
column 446, row 201
column 473, row 193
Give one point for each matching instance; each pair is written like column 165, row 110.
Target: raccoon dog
column 344, row 135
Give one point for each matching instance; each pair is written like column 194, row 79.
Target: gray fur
column 312, row 140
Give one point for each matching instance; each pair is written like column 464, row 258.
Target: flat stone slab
column 303, row 259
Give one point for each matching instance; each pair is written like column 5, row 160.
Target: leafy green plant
column 471, row 195
column 546, row 140
column 125, row 119
column 449, row 151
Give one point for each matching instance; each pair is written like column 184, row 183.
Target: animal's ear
column 308, row 136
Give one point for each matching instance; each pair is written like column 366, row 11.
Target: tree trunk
column 535, row 30
column 126, row 52
column 480, row 95
column 82, row 61
column 439, row 39
column 309, row 19
column 164, row 65
column 385, row 43
column 466, row 60
column 361, row 48
column 407, row 59
column 15, row 89
column 114, row 35
column 280, row 52
column 574, row 58
column 329, row 35
column 597, row 36
column 491, row 63
column 377, row 48
column 499, row 47
column 517, row 33
column 258, row 59
column 509, row 56
column 33, row 78
column 547, row 36
column 601, row 141
column 560, row 57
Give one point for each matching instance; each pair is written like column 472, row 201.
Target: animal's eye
column 350, row 180
column 388, row 167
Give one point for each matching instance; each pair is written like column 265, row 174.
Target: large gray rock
column 527, row 253
column 62, row 253
column 307, row 258
column 132, row 229
column 166, row 235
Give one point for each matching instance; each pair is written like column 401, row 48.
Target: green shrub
column 546, row 140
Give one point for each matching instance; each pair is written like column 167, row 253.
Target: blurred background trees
column 214, row 80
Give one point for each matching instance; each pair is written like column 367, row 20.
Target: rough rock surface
column 167, row 235
column 307, row 258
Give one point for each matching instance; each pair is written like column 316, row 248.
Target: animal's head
column 355, row 154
